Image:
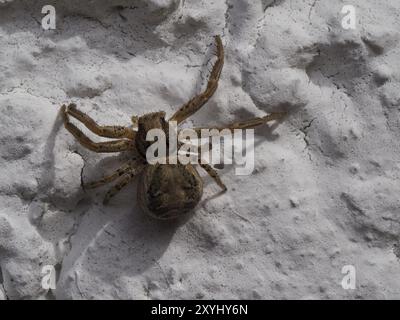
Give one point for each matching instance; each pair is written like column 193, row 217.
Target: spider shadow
column 124, row 242
column 45, row 198
column 266, row 131
column 137, row 241
column 48, row 173
column 262, row 133
column 101, row 167
column 141, row 240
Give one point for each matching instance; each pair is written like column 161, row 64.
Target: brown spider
column 165, row 191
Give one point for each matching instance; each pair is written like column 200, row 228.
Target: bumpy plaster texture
column 325, row 189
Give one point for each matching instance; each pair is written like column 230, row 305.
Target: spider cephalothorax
column 165, row 191
column 150, row 121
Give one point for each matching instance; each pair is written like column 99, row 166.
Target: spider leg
column 198, row 101
column 128, row 177
column 248, row 124
column 109, row 146
column 213, row 174
column 103, row 131
column 129, row 166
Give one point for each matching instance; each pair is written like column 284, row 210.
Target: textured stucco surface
column 325, row 190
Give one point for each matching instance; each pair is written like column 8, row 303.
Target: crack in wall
column 227, row 16
column 304, row 130
column 83, row 167
column 261, row 21
column 311, row 9
column 272, row 4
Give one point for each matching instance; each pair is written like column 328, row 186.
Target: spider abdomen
column 169, row 191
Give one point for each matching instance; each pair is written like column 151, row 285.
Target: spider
column 165, row 191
